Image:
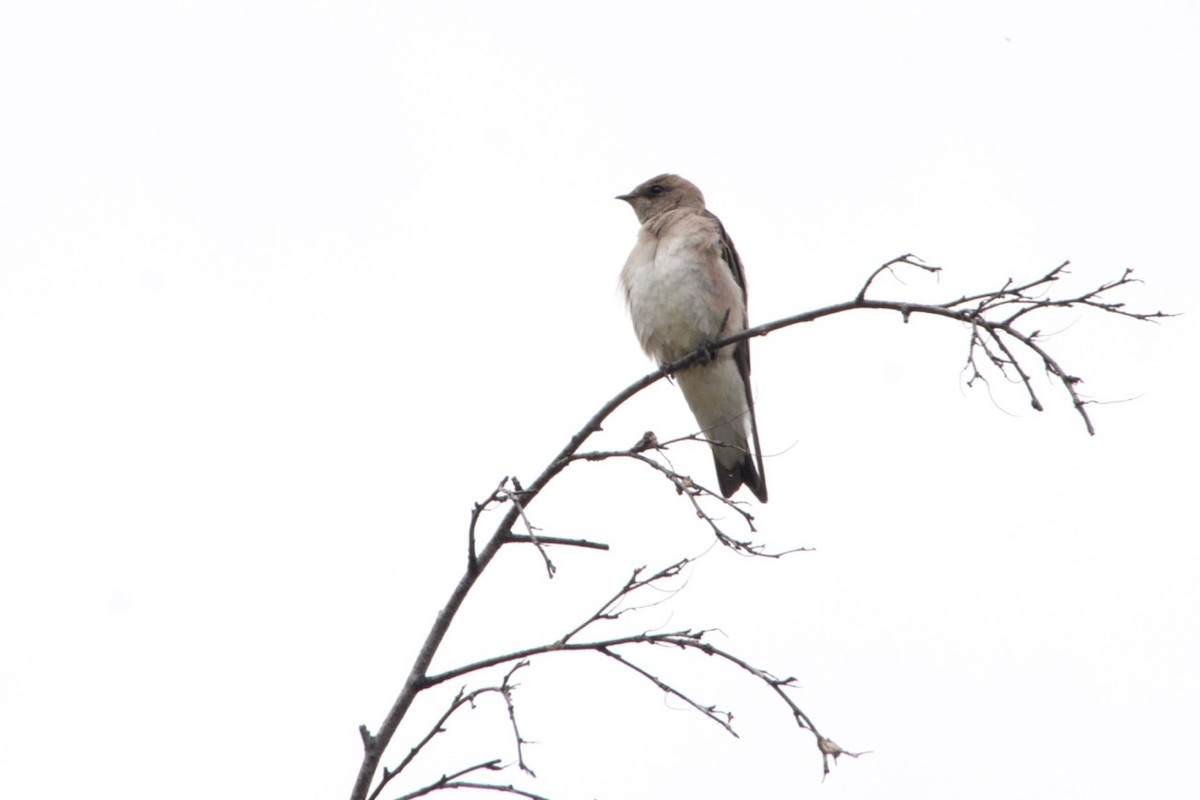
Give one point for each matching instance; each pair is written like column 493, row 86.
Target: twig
column 448, row 783
column 463, row 698
column 497, row 496
column 451, row 781
column 722, row 718
column 585, row 543
column 609, row 611
column 992, row 316
column 530, row 535
column 907, row 258
column 506, row 690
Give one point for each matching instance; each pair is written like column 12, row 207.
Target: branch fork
column 996, row 340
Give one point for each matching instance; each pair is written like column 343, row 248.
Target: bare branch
column 497, row 496
column 685, row 639
column 609, row 611
column 685, row 485
column 450, row 783
column 992, row 317
column 585, row 543
column 460, row 700
column 506, row 689
column 907, row 258
column 722, row 718
column 530, row 536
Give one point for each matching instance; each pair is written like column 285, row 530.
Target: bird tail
column 721, row 402
column 743, row 473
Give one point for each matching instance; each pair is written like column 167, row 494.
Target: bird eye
column 656, row 190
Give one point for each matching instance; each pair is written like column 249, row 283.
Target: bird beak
column 628, row 198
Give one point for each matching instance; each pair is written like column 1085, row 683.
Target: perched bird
column 685, row 287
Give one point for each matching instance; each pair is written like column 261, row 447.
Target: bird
column 685, row 288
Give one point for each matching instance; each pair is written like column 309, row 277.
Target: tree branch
column 992, row 318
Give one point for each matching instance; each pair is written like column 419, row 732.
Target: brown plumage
column 685, row 287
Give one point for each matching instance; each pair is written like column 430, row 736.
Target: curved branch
column 1017, row 302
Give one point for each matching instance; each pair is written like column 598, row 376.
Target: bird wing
column 741, row 350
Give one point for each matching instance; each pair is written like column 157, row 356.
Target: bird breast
column 680, row 293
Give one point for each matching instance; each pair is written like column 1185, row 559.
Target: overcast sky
column 286, row 287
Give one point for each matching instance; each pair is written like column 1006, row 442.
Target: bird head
column 662, row 193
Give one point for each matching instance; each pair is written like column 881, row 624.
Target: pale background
column 285, row 287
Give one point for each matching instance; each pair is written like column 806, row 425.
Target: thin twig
column 907, row 258
column 609, row 611
column 495, row 497
column 1016, row 301
column 530, row 536
column 585, row 543
column 722, row 718
column 506, row 690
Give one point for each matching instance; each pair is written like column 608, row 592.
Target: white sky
column 285, row 287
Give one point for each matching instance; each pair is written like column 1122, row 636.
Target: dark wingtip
column 745, row 474
column 755, row 482
column 730, row 480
